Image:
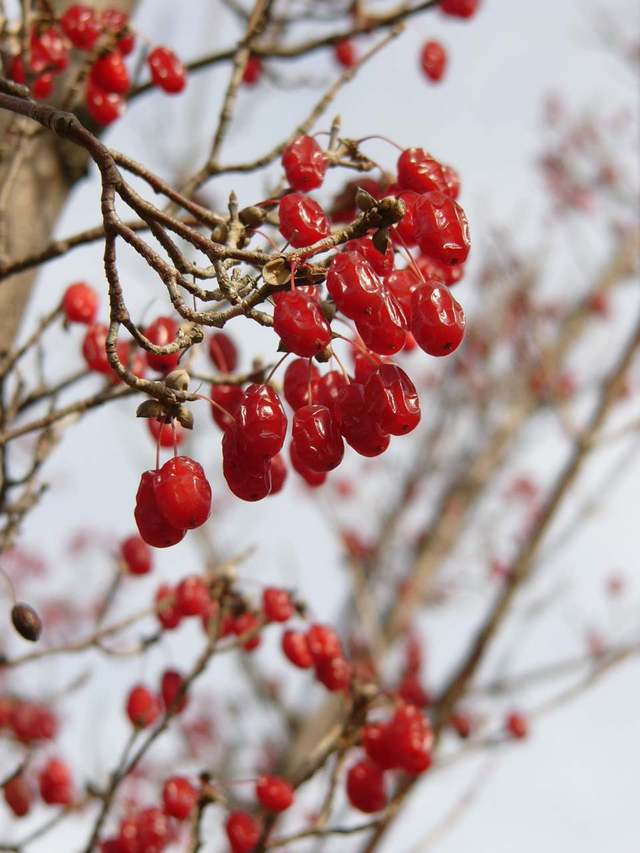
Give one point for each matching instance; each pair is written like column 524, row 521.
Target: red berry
column 334, row 673
column 80, row 303
column 442, row 228
column 161, row 332
column 17, row 796
column 277, row 604
column 296, row 649
column 378, row 746
column 167, row 71
column 227, row 397
column 453, row 181
column 103, row 107
column 354, row 285
column 304, row 163
column 152, row 830
column 30, row 722
column 93, row 348
column 170, row 686
column 365, row 787
column 183, row 493
column 410, row 732
column 401, row 284
column 166, row 609
column 152, row 523
column 81, row 26
column 243, row 832
column 433, row 59
column 329, row 388
column 382, row 264
column 179, row 797
column 301, row 380
column 404, row 233
column 55, row 784
column 278, row 473
column 460, row 8
column 302, row 220
column 136, row 555
column 312, row 478
column 252, row 71
column 275, row 794
column 419, row 171
column 116, row 22
column 261, row 424
column 43, row 87
column 192, row 596
column 517, row 725
column 447, row 273
column 317, row 439
column 143, row 708
column 345, row 53
column 110, row 74
column 437, row 319
column 324, row 643
column 392, row 400
column 300, row 324
column 359, row 430
column 249, row 479
column 223, row 352
column 245, row 624
column 385, row 330
column 52, row 46
column 166, row 435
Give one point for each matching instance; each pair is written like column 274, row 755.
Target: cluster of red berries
column 54, row 785
column 319, row 647
column 27, row 722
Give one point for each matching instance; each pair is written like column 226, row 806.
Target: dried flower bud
column 185, row 417
column 325, row 355
column 276, row 271
column 364, row 200
column 178, row 380
column 381, row 240
column 150, row 409
column 26, row 621
column 220, row 233
column 252, row 216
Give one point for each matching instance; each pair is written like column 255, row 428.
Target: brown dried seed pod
column 26, row 621
column 178, row 380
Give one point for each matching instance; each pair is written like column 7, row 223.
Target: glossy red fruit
column 166, row 609
column 401, row 284
column 447, row 273
column 261, row 424
column 171, row 686
column 277, row 604
column 353, row 285
column 305, row 164
column 517, row 725
column 392, row 400
column 404, row 233
column 152, row 523
column 442, row 228
column 167, row 71
column 81, row 26
column 31, row 722
column 43, row 87
column 93, row 348
column 334, row 673
column 313, row 479
column 452, row 178
column 410, row 733
column 278, row 470
column 381, row 263
column 274, row 794
column 378, row 746
column 192, row 596
column 302, row 220
column 110, row 74
column 80, row 303
column 228, row 398
column 179, row 797
column 419, row 171
column 54, row 781
column 358, row 428
column 365, row 787
column 364, row 361
column 247, row 478
column 300, row 324
column 317, row 439
column 345, row 53
column 384, row 331
column 243, row 832
column 460, row 8
column 143, row 708
column 51, row 46
column 300, row 385
column 433, row 60
column 438, row 320
column 166, row 435
column 136, row 555
column 103, row 107
column 296, row 648
column 116, row 22
column 329, row 388
column 324, row 643
column 223, row 352
column 153, row 830
column 17, row 795
column 161, row 332
column 252, row 71
column 183, row 493
column 244, row 624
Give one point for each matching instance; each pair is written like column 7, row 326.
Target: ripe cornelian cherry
column 433, row 60
column 378, row 746
column 334, row 673
column 419, row 171
column 401, row 284
column 167, row 71
column 166, row 435
column 170, row 686
column 161, row 332
column 410, row 733
column 249, row 479
column 364, row 361
column 360, row 431
column 93, row 348
column 517, row 725
column 382, row 263
column 136, row 555
column 247, row 622
column 354, row 285
column 143, row 708
column 275, row 794
column 243, row 832
column 252, row 71
column 183, row 493
column 296, row 649
column 404, row 233
column 192, row 596
column 17, row 795
column 110, row 74
column 166, row 610
column 228, row 398
column 80, row 303
column 51, row 46
column 223, row 352
column 152, row 830
column 317, row 438
column 452, row 178
column 278, row 471
column 302, row 220
column 179, row 797
column 261, row 424
column 430, row 268
column 314, row 479
column 54, row 781
column 392, row 400
column 442, row 228
column 103, row 107
column 31, row 722
column 324, row 643
column 116, row 22
column 329, row 387
column 300, row 384
column 152, row 524
column 437, row 322
column 305, row 164
column 277, row 605
column 300, row 323
column 345, row 53
column 365, row 787
column 459, row 8
column 384, row 331
column 43, row 87
column 81, row 26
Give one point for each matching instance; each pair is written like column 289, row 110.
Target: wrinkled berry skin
column 357, row 426
column 460, row 8
column 300, row 385
column 442, row 228
column 152, row 525
column 433, row 60
column 183, row 493
column 354, row 285
column 247, row 478
column 392, row 400
column 317, row 439
column 261, row 422
column 420, row 172
column 305, row 164
column 302, row 220
column 300, row 324
column 438, row 321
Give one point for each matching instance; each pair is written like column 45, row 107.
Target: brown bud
column 328, row 308
column 276, row 271
column 26, row 621
column 381, row 240
column 185, row 417
column 252, row 216
column 219, row 233
column 178, row 380
column 364, row 200
column 150, row 409
column 325, row 354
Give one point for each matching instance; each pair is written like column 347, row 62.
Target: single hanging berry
column 171, row 685
column 103, row 107
column 442, row 228
column 81, row 26
column 317, row 439
column 55, row 784
column 226, row 401
column 17, row 795
column 152, row 524
column 392, row 400
column 305, row 164
column 252, row 71
column 302, row 220
column 460, row 8
column 80, row 303
column 162, row 332
column 438, row 320
column 136, row 555
column 249, row 479
column 365, row 787
column 312, row 478
column 275, row 794
column 261, row 424
column 353, row 285
column 277, row 604
column 419, row 171
column 404, row 233
column 192, row 596
column 243, row 832
column 183, row 493
column 300, row 324
column 166, row 610
column 143, row 708
column 179, row 797
column 345, row 53
column 433, row 60
column 167, row 71
column 296, row 648
column 300, row 384
column 110, row 74
column 384, row 331
column 116, row 22
column 223, row 352
column 359, row 429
